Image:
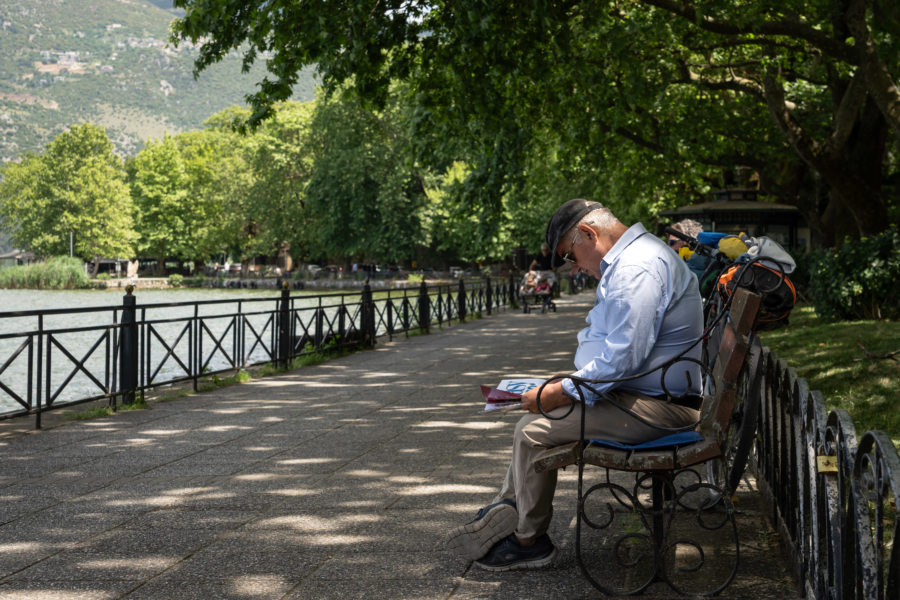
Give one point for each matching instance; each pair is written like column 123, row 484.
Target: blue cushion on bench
column 667, row 441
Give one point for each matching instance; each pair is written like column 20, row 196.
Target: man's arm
column 632, row 312
column 552, row 397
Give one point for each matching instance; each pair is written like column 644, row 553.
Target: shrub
column 859, row 280
column 176, row 279
column 60, row 272
column 103, row 276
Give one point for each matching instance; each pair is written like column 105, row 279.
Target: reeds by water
column 57, row 273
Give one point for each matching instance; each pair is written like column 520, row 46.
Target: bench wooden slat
column 557, row 457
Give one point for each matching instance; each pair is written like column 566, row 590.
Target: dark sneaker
column 492, row 523
column 509, row 555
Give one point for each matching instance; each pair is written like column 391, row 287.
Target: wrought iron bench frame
column 662, row 470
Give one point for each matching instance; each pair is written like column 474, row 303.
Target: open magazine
column 508, row 394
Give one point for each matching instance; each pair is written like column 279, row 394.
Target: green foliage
column 641, row 105
column 218, row 163
column 77, row 187
column 165, row 217
column 57, row 273
column 858, row 280
column 176, row 279
column 280, row 156
column 363, row 194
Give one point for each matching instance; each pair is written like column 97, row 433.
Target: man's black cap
column 565, row 218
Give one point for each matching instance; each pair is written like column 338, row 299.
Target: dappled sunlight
column 306, row 461
column 472, row 425
column 447, row 488
column 306, row 523
column 404, row 479
column 291, row 492
column 257, row 477
column 483, row 454
column 224, row 428
column 367, row 473
column 257, row 585
column 16, row 547
column 131, row 563
column 318, row 482
column 421, row 409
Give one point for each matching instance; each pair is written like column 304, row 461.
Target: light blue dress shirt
column 648, row 311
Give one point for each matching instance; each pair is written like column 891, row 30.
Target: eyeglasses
column 568, row 255
column 673, row 241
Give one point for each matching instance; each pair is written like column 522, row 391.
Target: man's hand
column 552, row 397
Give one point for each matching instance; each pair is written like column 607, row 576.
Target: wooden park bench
column 663, row 512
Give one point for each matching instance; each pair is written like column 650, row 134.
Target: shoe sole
column 473, row 540
column 534, row 563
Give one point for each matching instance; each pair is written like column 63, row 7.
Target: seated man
column 647, row 312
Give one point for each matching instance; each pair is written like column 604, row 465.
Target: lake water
column 83, row 345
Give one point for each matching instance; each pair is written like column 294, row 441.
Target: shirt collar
column 630, row 235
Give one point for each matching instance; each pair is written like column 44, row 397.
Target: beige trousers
column 533, row 492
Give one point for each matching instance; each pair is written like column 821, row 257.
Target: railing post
column 367, row 317
column 461, row 301
column 320, row 328
column 128, row 357
column 39, row 381
column 389, row 310
column 405, row 313
column 284, row 325
column 424, row 308
column 512, row 290
column 488, row 294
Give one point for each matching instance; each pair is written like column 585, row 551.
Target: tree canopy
column 75, row 191
column 645, row 104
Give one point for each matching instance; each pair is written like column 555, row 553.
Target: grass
column 846, row 361
column 105, row 411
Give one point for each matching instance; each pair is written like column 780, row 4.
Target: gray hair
column 688, row 227
column 602, row 218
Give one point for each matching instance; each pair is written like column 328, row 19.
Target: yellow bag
column 732, row 246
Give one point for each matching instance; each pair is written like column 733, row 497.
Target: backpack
column 775, row 288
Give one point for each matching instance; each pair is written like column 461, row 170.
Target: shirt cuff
column 569, row 388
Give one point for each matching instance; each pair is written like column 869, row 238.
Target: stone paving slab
column 337, row 481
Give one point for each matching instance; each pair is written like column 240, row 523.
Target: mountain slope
column 106, row 62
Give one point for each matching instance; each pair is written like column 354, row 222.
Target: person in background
column 687, row 227
column 543, row 261
column 543, row 289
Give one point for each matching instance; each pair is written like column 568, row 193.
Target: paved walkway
column 334, row 481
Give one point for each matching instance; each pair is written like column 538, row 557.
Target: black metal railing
column 120, row 352
column 832, row 493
